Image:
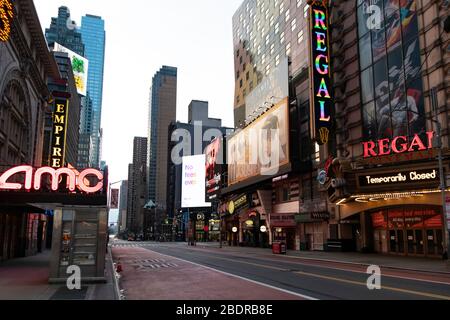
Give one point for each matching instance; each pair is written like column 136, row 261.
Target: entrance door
column 415, row 242
column 396, row 242
column 434, row 242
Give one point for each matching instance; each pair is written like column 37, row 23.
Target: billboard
column 262, row 148
column 272, row 89
column 214, row 168
column 193, row 182
column 114, row 200
column 59, row 133
column 321, row 95
column 80, row 67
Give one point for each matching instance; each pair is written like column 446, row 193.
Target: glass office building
column 94, row 36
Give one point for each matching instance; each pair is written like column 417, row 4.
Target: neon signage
column 59, row 131
column 33, row 179
column 321, row 98
column 6, row 17
column 385, row 147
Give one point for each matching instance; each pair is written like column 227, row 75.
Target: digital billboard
column 262, row 148
column 214, row 168
column 80, row 67
column 193, row 182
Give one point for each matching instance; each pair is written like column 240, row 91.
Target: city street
column 177, row 271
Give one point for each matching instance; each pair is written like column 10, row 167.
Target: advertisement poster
column 80, row 67
column 193, row 182
column 249, row 152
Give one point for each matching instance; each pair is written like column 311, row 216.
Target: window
column 300, row 36
column 391, row 85
column 282, row 37
column 293, row 24
column 287, row 15
column 288, row 49
column 277, row 60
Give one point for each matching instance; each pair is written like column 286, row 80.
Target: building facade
column 94, row 38
column 388, row 200
column 162, row 111
column 187, row 139
column 25, row 66
column 64, row 89
column 123, row 204
column 364, row 173
column 137, row 187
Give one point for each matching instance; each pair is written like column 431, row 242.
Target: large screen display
column 193, row 182
column 262, row 148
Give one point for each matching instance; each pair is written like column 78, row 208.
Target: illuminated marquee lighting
column 59, row 132
column 33, row 179
column 321, row 99
column 400, row 144
column 6, row 17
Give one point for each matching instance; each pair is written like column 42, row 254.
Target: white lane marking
column 242, row 278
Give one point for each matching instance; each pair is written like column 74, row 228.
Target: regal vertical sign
column 320, row 74
column 59, row 132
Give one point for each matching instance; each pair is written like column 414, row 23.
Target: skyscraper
column 63, row 30
column 162, row 111
column 137, row 186
column 94, row 37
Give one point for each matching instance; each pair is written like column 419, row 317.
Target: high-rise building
column 199, row 124
column 137, row 186
column 63, row 30
column 123, row 203
column 64, row 89
column 162, row 111
column 94, row 37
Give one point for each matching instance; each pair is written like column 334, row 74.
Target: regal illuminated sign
column 321, row 99
column 59, row 132
column 401, row 144
column 6, row 17
column 34, row 177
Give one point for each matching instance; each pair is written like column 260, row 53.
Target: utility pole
column 434, row 103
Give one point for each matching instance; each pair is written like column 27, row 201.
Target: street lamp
column 434, row 103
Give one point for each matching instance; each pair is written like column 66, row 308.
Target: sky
column 141, row 36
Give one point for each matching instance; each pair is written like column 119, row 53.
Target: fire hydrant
column 119, row 267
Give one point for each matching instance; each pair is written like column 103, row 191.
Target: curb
column 114, row 276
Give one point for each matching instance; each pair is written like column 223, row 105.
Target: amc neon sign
column 33, row 179
column 398, row 145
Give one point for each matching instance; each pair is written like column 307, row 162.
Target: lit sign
column 59, row 131
column 321, row 99
column 33, row 179
column 80, row 68
column 397, row 145
column 398, row 178
column 6, row 17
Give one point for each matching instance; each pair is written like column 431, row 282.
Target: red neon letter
column 430, row 139
column 28, row 170
column 417, row 143
column 90, row 172
column 404, row 145
column 383, row 145
column 369, row 149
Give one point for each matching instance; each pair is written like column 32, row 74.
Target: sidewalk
column 386, row 261
column 27, row 279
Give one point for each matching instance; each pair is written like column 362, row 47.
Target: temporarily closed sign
column 400, row 178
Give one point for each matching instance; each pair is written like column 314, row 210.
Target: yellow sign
column 231, row 207
column 6, row 17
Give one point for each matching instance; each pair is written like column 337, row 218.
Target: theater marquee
column 320, row 74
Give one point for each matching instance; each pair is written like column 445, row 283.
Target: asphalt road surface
column 302, row 278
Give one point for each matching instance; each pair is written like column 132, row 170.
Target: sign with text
column 320, row 74
column 400, row 178
column 214, row 168
column 114, row 200
column 59, row 132
column 193, row 182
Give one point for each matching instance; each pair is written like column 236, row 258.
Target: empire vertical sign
column 6, row 18
column 320, row 74
column 59, row 132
